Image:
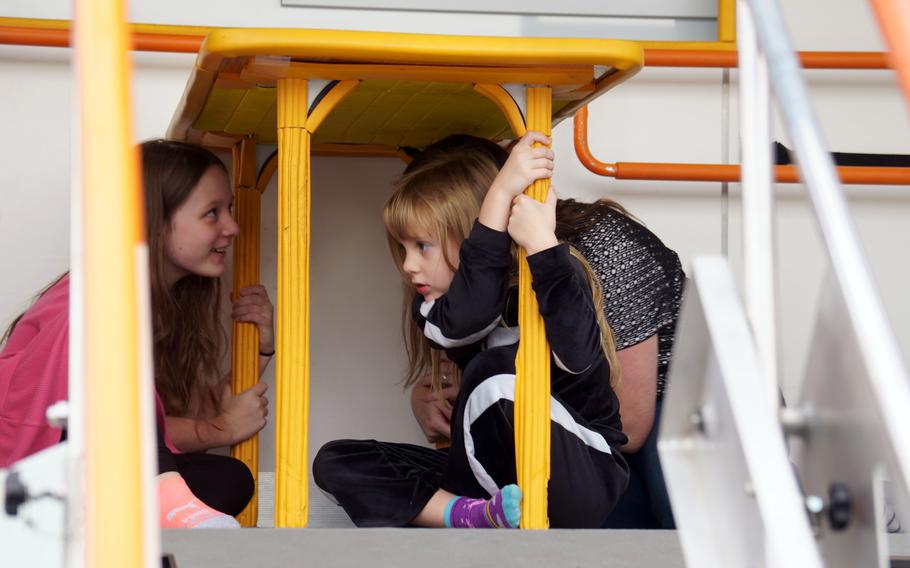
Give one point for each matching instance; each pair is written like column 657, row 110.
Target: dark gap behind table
column 783, row 156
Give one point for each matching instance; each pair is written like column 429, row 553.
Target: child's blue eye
column 422, row 246
column 212, row 213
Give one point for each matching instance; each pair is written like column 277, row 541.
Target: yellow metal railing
column 115, row 269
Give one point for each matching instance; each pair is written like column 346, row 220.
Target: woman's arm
column 195, row 435
column 432, row 414
column 637, row 391
column 253, row 306
column 241, row 416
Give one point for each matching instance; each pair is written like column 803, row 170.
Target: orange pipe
column 860, row 175
column 167, row 42
column 140, row 41
column 147, row 41
column 728, row 59
column 894, row 20
column 38, row 37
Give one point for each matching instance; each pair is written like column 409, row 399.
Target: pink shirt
column 34, row 375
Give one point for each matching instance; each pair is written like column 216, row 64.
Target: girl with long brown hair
column 190, row 226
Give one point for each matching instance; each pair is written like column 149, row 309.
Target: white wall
column 270, row 13
column 660, row 115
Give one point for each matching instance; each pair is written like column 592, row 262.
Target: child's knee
column 333, row 462
column 324, row 462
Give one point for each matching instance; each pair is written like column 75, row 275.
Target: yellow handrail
column 117, row 499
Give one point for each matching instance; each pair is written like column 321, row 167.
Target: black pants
column 645, row 504
column 388, row 484
column 221, row 482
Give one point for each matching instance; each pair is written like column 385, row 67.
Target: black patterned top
column 642, row 283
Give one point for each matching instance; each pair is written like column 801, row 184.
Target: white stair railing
column 849, row 430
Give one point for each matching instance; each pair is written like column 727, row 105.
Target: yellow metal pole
column 292, row 344
column 532, row 364
column 726, row 21
column 245, row 343
column 293, row 327
column 115, row 267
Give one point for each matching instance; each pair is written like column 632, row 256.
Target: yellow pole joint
column 245, row 342
column 331, row 99
column 532, row 364
column 506, row 104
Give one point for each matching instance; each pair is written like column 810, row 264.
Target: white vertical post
column 757, row 201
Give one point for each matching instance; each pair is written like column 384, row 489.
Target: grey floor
column 404, row 548
column 425, row 548
column 329, row 542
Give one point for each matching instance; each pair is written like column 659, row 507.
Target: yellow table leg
column 532, row 364
column 118, row 470
column 245, row 342
column 292, row 346
column 293, row 326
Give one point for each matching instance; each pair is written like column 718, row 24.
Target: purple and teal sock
column 502, row 511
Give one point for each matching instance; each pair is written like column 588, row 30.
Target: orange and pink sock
column 180, row 509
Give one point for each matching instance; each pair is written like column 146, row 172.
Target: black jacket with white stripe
column 479, row 311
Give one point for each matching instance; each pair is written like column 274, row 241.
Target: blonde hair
column 442, row 196
column 607, row 338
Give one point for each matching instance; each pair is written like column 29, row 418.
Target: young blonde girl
column 642, row 281
column 190, row 225
column 458, row 270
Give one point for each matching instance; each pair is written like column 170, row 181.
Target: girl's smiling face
column 425, row 264
column 201, row 230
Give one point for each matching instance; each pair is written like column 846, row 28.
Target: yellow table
column 348, row 92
